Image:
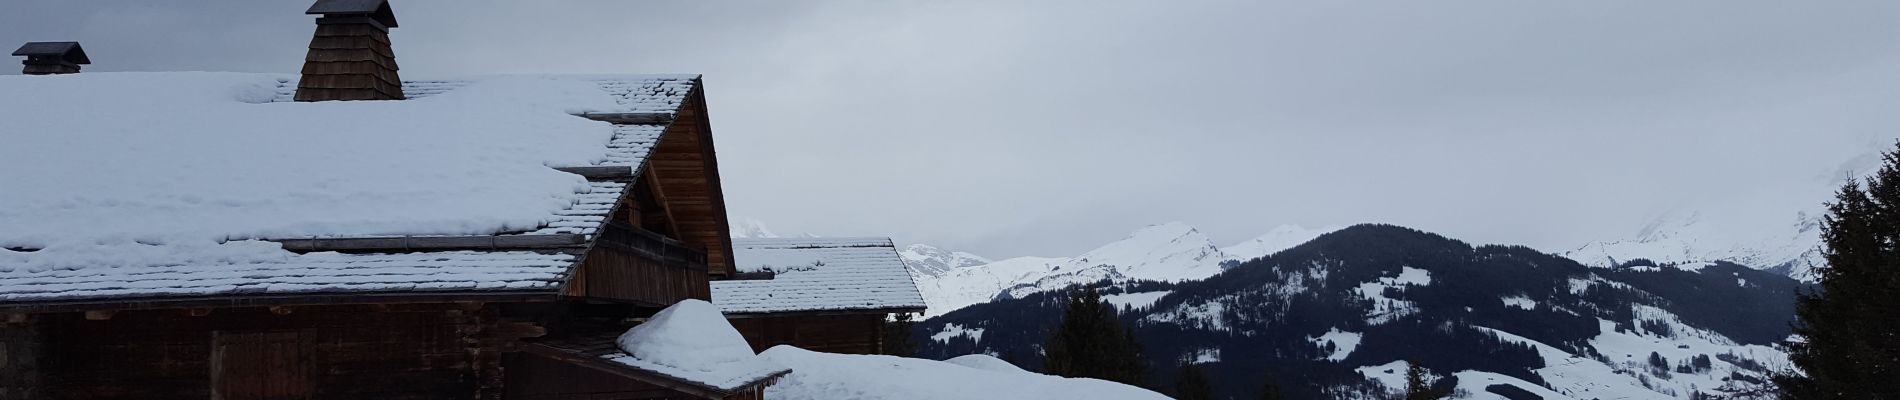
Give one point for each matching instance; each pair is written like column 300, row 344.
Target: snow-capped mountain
column 929, row 261
column 741, row 227
column 748, row 228
column 1338, row 316
column 1170, row 252
column 1776, row 229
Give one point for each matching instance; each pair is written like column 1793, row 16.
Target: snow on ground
column 1625, row 364
column 1391, row 375
column 1210, row 315
column 985, row 362
column 1386, row 309
column 1519, row 302
column 692, row 340
column 1134, row 300
column 955, row 330
column 1343, row 343
column 1203, row 356
column 825, row 376
column 1475, row 382
column 1280, row 238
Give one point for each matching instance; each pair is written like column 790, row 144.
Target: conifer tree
column 897, row 341
column 1851, row 325
column 1193, row 384
column 1417, row 386
column 1271, row 390
column 1091, row 343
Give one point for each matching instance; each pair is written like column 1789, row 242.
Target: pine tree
column 1851, row 325
column 1091, row 343
column 897, row 340
column 1193, row 384
column 1271, row 390
column 1417, row 385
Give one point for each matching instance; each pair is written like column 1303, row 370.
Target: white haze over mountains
column 1774, row 228
column 1170, row 252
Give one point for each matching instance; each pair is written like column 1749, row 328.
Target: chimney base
column 350, row 59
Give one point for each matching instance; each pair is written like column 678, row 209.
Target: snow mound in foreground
column 843, row 376
column 692, row 340
column 985, row 362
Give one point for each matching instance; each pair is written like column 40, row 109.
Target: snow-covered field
column 692, row 340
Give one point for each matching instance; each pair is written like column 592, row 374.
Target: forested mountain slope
column 1336, row 317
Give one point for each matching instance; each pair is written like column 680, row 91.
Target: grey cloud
column 1012, row 128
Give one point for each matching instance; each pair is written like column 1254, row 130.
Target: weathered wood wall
column 687, row 173
column 440, row 351
column 634, row 266
column 19, row 361
column 847, row 334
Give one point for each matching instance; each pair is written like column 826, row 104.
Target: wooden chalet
column 528, row 313
column 823, row 294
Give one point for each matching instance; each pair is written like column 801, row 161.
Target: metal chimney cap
column 69, row 52
column 374, row 9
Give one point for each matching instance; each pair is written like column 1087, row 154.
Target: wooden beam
column 659, row 196
column 385, row 298
column 602, row 173
column 100, row 315
column 427, row 243
column 647, row 118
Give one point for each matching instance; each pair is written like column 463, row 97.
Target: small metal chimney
column 350, row 57
column 48, row 58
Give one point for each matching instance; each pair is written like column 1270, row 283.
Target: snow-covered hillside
column 1170, row 252
column 926, row 260
column 1777, row 229
column 1338, row 316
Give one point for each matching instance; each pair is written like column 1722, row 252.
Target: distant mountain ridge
column 1170, row 252
column 1335, row 316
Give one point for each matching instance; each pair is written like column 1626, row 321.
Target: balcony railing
column 635, row 265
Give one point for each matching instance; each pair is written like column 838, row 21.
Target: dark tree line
column 1092, row 343
column 1851, row 326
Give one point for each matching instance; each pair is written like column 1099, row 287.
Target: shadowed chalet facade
column 522, row 314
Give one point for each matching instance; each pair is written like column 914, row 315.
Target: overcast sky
column 1050, row 127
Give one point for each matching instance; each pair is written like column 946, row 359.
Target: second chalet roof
column 817, row 275
column 155, row 184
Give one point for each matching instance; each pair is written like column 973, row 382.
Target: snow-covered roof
column 166, row 184
column 818, row 274
column 687, row 343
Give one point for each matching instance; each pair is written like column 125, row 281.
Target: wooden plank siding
column 19, row 361
column 632, row 265
column 258, row 365
column 437, row 351
column 684, row 165
column 842, row 333
column 535, row 376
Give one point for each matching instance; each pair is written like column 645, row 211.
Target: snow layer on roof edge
column 691, row 340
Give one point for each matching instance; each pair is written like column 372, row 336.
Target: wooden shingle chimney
column 350, row 57
column 48, row 58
